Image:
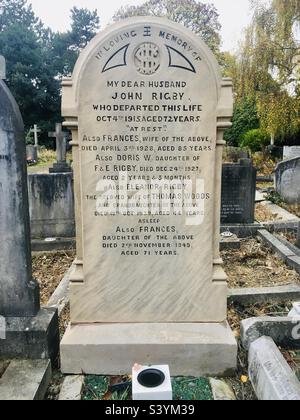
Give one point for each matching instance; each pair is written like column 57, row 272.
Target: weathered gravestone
column 2, row 68
column 61, row 151
column 291, row 152
column 147, row 108
column 298, row 236
column 30, row 332
column 287, row 180
column 32, row 149
column 51, row 205
column 238, row 192
column 31, row 153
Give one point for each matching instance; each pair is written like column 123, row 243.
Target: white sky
column 234, row 14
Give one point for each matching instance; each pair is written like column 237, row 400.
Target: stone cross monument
column 61, row 150
column 35, row 130
column 33, row 150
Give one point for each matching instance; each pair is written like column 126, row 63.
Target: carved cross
column 61, row 142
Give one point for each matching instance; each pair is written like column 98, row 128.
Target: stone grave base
column 112, row 349
column 61, row 167
column 32, row 338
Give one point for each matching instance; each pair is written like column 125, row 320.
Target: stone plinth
column 189, row 349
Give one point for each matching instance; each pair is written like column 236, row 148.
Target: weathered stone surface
column 25, row 330
column 271, row 376
column 32, row 337
column 60, row 168
column 298, row 236
column 294, row 262
column 295, row 312
column 283, row 330
column 189, row 349
column 25, row 380
column 19, row 293
column 264, row 294
column 232, row 242
column 287, row 180
column 3, row 366
column 242, row 231
column 289, row 245
column 31, row 153
column 291, row 152
column 71, row 388
column 238, row 192
column 53, row 244
column 221, row 390
column 146, row 111
column 281, row 250
column 120, row 281
column 62, row 165
column 60, row 297
column 51, row 203
column 2, row 68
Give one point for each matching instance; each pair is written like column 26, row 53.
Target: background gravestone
column 291, row 152
column 146, row 105
column 30, row 332
column 61, row 166
column 31, row 153
column 298, row 236
column 51, row 205
column 238, row 192
column 287, row 180
column 32, row 150
column 2, row 68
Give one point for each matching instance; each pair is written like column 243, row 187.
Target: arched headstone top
column 10, row 118
column 145, row 46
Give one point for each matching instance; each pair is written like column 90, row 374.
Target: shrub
column 255, row 140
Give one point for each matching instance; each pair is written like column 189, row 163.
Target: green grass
column 188, row 389
column 192, row 389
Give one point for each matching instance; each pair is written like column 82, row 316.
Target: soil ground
column 254, row 265
column 263, row 214
column 49, row 269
